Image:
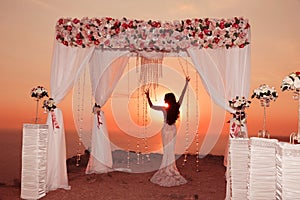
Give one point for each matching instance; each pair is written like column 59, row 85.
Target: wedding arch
column 218, row 48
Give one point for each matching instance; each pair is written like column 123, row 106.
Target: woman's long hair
column 172, row 109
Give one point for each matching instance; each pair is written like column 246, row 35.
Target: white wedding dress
column 168, row 174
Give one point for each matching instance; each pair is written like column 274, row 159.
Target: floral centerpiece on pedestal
column 292, row 82
column 49, row 106
column 239, row 104
column 265, row 94
column 38, row 93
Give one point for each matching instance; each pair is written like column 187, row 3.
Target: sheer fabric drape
column 106, row 68
column 224, row 74
column 67, row 64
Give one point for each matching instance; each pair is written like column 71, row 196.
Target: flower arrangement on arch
column 291, row 82
column 265, row 94
column 136, row 35
column 39, row 92
column 49, row 105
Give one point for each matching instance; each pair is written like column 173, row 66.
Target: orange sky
column 27, row 35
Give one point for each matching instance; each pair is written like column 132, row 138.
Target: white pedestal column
column 34, row 161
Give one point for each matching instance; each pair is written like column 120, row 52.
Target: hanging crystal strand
column 146, row 145
column 138, row 122
column 128, row 96
column 136, row 63
column 145, row 129
column 187, row 119
column 78, row 154
column 197, row 121
column 128, row 153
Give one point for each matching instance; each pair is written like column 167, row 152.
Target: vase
column 264, row 102
column 296, row 136
column 37, row 111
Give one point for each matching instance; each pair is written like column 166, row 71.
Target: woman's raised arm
column 148, row 97
column 187, row 80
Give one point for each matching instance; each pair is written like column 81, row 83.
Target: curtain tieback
column 234, row 130
column 99, row 119
column 54, row 121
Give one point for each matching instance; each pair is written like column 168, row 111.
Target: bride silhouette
column 168, row 174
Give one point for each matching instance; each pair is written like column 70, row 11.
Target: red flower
column 96, row 42
column 79, row 42
column 98, row 22
column 66, row 43
column 247, row 26
column 155, row 24
column 124, row 25
column 206, row 31
column 87, row 26
column 216, row 40
column 298, row 73
column 235, row 25
column 69, row 28
column 58, row 36
column 60, row 21
column 108, row 18
column 208, row 22
column 188, row 21
column 201, row 35
column 117, row 30
column 242, row 45
column 222, row 25
column 78, row 36
column 90, row 37
column 130, row 25
column 76, row 21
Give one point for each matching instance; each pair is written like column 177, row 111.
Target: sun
column 139, row 108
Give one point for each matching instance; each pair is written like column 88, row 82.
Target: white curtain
column 225, row 73
column 67, row 64
column 56, row 162
column 106, row 69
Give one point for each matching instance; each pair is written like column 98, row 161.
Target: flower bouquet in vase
column 239, row 104
column 265, row 94
column 292, row 83
column 38, row 93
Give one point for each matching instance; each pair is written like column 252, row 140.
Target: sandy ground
column 207, row 181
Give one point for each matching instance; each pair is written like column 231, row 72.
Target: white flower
column 39, row 92
column 49, row 105
column 291, row 82
column 297, row 83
